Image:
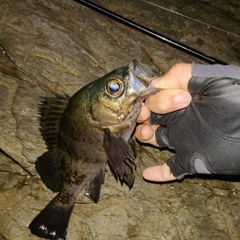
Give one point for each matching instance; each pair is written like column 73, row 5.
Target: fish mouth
column 139, row 81
column 140, row 88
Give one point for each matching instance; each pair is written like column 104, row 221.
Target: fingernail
column 143, row 133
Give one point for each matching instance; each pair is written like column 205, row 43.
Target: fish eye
column 114, row 87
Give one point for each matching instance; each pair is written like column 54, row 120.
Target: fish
column 83, row 134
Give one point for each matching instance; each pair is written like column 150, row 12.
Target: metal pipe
column 151, row 33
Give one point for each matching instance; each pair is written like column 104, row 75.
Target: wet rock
column 59, row 46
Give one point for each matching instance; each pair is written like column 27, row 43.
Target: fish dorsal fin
column 120, row 157
column 51, row 110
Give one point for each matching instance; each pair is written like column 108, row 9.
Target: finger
column 177, row 77
column 168, row 100
column 158, row 173
column 144, row 114
column 146, row 133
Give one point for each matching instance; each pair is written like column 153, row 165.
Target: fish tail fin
column 52, row 221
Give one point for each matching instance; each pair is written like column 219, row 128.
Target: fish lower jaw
column 133, row 114
column 125, row 120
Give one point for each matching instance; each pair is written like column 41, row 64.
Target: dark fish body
column 84, row 133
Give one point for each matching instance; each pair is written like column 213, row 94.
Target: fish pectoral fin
column 129, row 178
column 132, row 144
column 120, row 157
column 93, row 187
column 47, row 167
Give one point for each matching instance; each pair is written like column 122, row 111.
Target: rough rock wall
column 59, row 46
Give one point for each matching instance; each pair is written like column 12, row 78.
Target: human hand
column 174, row 96
column 205, row 135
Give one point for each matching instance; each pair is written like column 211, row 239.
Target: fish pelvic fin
column 93, row 187
column 52, row 221
column 48, row 169
column 51, row 110
column 120, row 158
